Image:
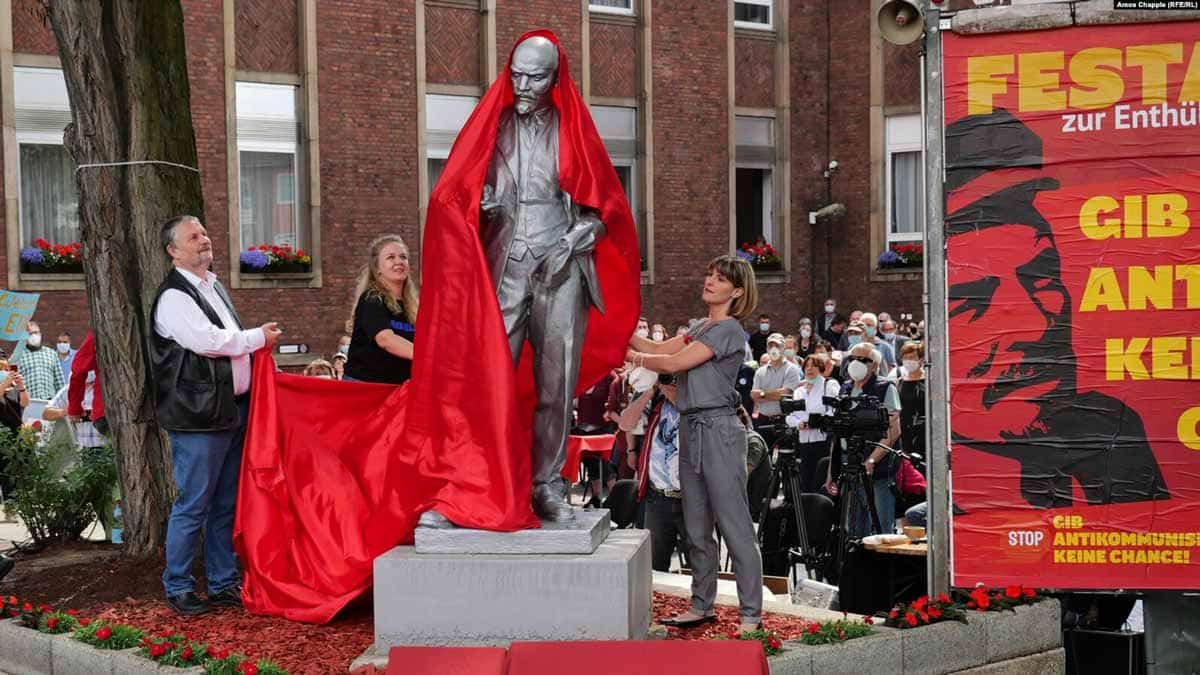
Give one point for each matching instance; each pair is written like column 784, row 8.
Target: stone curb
column 24, row 651
column 947, row 647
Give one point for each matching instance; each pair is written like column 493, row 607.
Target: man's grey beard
column 524, row 106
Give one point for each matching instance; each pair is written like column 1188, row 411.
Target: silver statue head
column 534, row 71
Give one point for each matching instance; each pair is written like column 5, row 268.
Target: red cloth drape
column 335, row 474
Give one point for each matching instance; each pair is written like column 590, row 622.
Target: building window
column 905, row 179
column 754, row 188
column 444, row 118
column 754, row 14
column 611, row 6
column 47, row 199
column 268, row 143
column 618, row 130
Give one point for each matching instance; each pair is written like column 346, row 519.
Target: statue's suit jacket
column 500, row 234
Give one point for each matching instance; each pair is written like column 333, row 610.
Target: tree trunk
column 125, row 65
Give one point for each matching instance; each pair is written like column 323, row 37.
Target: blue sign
column 16, row 309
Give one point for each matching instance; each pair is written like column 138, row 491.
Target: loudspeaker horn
column 900, row 21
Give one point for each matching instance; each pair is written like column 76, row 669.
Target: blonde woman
column 385, row 316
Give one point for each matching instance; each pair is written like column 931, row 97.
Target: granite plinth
column 495, row 599
column 583, row 535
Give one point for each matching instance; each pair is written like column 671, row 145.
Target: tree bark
column 125, row 65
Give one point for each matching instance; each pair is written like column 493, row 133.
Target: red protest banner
column 1073, row 284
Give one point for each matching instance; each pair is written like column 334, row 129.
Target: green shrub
column 57, row 489
column 239, row 664
column 109, row 636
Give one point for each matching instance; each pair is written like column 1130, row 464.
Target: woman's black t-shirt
column 368, row 361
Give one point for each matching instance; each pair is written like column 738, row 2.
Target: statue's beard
column 524, row 105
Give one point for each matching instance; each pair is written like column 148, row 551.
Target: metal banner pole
column 937, row 418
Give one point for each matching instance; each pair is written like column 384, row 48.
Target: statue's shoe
column 434, row 520
column 552, row 507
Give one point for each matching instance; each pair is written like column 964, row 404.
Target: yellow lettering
column 13, row 324
column 1188, row 428
column 1096, row 74
column 1191, row 275
column 1166, row 215
column 986, row 79
column 1196, row 358
column 1166, row 358
column 1189, row 90
column 1102, row 290
column 1155, row 288
column 1089, row 218
column 1120, row 359
column 1038, row 74
column 1133, row 216
column 1153, row 60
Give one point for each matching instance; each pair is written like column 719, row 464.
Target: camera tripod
column 852, row 478
column 785, row 474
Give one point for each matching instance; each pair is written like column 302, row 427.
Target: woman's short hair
column 318, row 367
column 913, row 347
column 741, row 275
column 818, row 360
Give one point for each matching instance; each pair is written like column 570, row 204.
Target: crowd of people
column 695, row 412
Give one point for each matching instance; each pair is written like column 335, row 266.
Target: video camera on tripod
column 821, row 529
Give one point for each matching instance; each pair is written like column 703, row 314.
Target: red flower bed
column 785, row 626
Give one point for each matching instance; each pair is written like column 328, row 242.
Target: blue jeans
column 206, row 467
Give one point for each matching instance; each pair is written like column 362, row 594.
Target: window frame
column 893, row 148
column 619, row 11
column 768, row 203
column 753, row 25
column 300, row 216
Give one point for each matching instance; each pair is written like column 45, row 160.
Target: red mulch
column 100, row 583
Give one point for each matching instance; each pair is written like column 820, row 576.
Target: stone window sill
column 279, row 280
column 30, row 281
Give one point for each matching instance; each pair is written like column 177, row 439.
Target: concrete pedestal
column 494, row 599
column 581, row 535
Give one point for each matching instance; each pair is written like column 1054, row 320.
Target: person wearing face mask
column 39, row 366
column 813, row 443
column 643, row 328
column 912, row 397
column 385, row 316
column 872, row 336
column 758, row 341
column 658, row 332
column 789, row 350
column 807, row 342
column 837, row 333
column 339, row 366
column 825, row 323
column 889, row 334
column 65, row 354
column 777, row 379
column 344, row 344
column 862, row 364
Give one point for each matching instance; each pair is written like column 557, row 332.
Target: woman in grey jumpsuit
column 712, row 454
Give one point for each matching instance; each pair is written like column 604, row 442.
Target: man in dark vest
column 201, row 364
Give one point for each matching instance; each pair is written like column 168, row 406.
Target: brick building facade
column 322, row 124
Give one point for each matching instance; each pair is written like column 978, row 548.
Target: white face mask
column 829, row 309
column 912, row 365
column 658, row 336
column 643, row 332
column 345, row 349
column 857, row 370
column 764, row 327
column 789, row 353
column 774, row 353
column 806, row 332
column 34, row 340
column 64, row 348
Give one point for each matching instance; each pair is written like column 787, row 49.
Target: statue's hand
column 488, row 204
column 555, row 267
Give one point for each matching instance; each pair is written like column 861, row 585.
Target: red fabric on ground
column 638, row 657
column 447, row 661
column 334, row 473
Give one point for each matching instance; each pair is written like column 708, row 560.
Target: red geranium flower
column 1012, row 592
column 72, row 612
column 104, row 633
column 157, row 650
column 27, row 607
column 248, row 668
column 186, row 654
column 935, row 612
column 37, row 426
column 84, row 622
column 920, row 603
column 774, row 642
column 943, row 598
column 868, row 620
column 12, row 599
column 910, row 619
column 52, row 622
column 814, row 628
column 41, row 243
column 894, row 613
column 262, row 247
column 1029, row 593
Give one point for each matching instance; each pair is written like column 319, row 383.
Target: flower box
column 762, row 256
column 24, row 650
column 46, row 258
column 269, row 259
column 899, row 256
